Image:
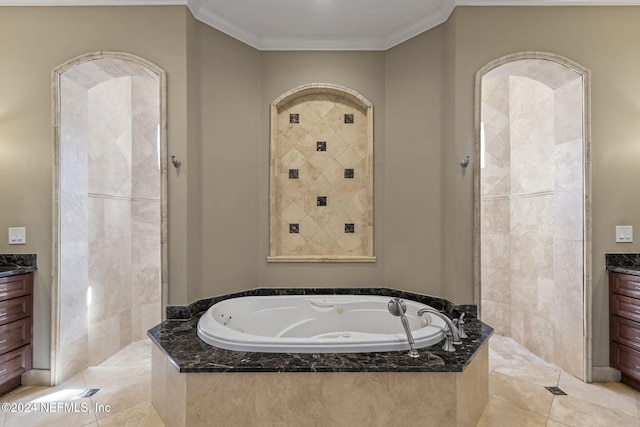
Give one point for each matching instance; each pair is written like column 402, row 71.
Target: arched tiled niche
column 321, row 176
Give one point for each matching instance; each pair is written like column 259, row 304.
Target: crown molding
column 321, row 41
column 547, row 2
column 438, row 17
column 93, row 2
column 202, row 12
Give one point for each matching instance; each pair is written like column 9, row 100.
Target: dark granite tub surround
column 11, row 265
column 185, row 312
column 623, row 263
column 177, row 338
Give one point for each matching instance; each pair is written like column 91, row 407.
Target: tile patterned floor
column 123, row 399
column 518, row 396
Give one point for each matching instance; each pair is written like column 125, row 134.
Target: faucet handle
column 448, row 346
column 460, row 324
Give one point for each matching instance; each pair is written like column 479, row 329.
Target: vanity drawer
column 625, row 307
column 625, row 332
column 625, row 284
column 626, row 360
column 17, row 308
column 15, row 363
column 15, row 334
column 16, row 286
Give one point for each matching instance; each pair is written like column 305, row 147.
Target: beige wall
column 224, row 192
column 33, row 41
column 600, row 39
column 415, row 73
column 219, row 91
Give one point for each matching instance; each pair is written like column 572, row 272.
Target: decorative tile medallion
column 349, row 173
column 293, row 173
column 321, row 201
column 294, row 228
column 348, row 119
column 321, row 146
column 294, row 118
column 350, row 228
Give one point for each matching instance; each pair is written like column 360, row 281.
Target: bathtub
column 315, row 324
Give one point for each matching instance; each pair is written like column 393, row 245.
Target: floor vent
column 89, row 392
column 556, row 391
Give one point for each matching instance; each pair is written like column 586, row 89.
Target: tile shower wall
column 74, row 228
column 110, row 217
column 532, row 216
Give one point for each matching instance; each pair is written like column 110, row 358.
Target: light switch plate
column 17, row 235
column 624, row 233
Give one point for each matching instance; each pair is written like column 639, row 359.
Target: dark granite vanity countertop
column 177, row 338
column 12, row 265
column 624, row 263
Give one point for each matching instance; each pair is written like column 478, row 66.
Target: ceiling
column 321, row 24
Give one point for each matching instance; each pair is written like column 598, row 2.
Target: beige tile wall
column 109, row 211
column 532, row 213
column 303, row 398
column 321, row 233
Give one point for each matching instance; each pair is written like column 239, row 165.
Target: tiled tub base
column 320, row 398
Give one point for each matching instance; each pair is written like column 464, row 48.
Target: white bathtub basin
column 315, row 324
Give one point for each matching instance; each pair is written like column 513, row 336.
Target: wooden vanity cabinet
column 624, row 327
column 16, row 302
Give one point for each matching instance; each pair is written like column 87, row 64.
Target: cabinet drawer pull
column 3, row 289
column 2, row 370
column 3, row 314
column 3, row 340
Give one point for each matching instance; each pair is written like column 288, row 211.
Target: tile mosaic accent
column 294, row 118
column 319, row 234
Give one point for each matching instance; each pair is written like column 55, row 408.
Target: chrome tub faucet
column 398, row 308
column 452, row 335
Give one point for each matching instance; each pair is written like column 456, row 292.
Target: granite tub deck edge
column 177, row 338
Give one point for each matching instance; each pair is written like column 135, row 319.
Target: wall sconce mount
column 176, row 163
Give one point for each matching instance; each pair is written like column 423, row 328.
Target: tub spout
column 452, row 330
column 397, row 307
